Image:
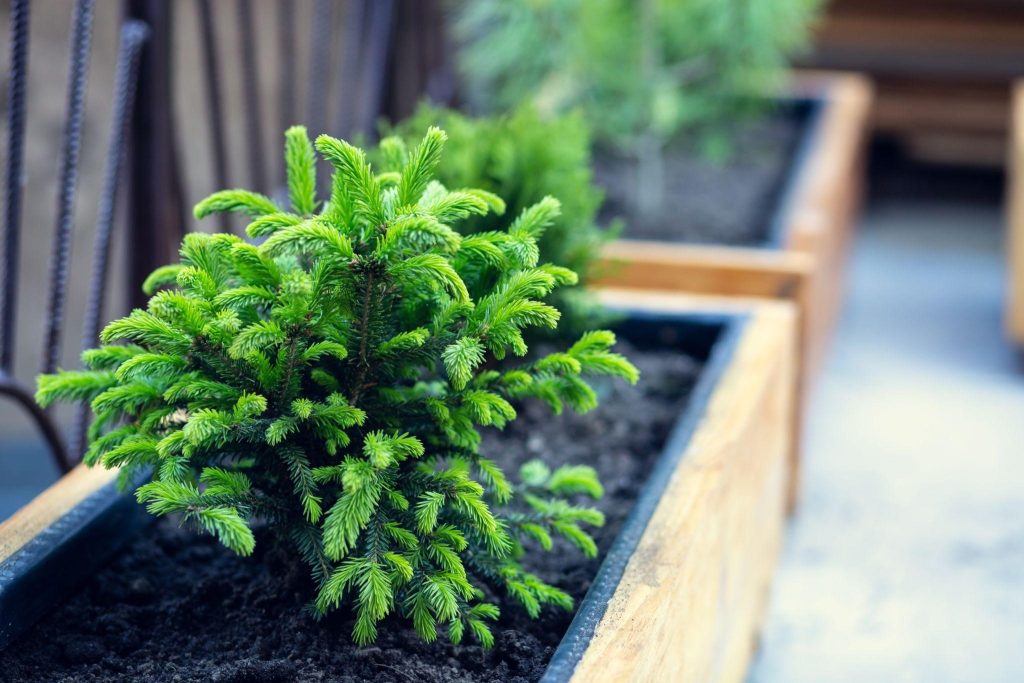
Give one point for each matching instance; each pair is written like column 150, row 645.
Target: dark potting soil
column 176, row 606
column 728, row 202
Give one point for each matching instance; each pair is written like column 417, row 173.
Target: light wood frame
column 689, row 602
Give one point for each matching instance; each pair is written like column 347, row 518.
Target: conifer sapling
column 332, row 380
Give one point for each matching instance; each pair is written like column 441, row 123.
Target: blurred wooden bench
column 942, row 68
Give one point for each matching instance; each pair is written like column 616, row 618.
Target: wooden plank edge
column 629, row 630
column 706, row 269
column 667, row 301
column 56, row 541
column 573, row 645
column 825, row 213
column 50, row 505
column 842, row 137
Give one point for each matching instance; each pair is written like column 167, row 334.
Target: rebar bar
column 10, row 388
column 16, row 97
column 133, row 35
column 157, row 218
column 81, row 38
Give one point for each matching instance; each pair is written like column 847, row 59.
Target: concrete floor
column 906, row 561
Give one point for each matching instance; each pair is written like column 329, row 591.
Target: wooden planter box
column 682, row 591
column 813, row 224
column 1015, row 218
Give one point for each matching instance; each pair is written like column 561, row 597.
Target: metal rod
column 133, row 35
column 286, row 74
column 215, row 108
column 156, row 206
column 373, row 81
column 348, row 73
column 251, row 84
column 10, row 388
column 319, row 61
column 16, row 96
column 81, row 37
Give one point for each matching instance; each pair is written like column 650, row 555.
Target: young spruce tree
column 332, row 380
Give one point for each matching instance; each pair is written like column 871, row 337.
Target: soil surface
column 176, row 606
column 728, row 202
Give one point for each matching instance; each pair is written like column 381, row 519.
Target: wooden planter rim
column 782, row 224
column 46, row 546
column 592, row 608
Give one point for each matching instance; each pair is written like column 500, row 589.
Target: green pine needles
column 523, row 157
column 645, row 73
column 635, row 67
column 332, row 381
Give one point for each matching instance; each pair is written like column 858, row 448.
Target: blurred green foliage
column 637, row 68
column 523, row 157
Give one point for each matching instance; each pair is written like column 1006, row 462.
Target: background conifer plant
column 524, row 157
column 332, row 382
column 644, row 71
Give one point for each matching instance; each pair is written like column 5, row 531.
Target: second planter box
column 812, row 220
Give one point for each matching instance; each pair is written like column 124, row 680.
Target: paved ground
column 906, row 562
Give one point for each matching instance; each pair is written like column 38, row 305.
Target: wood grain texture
column 1015, row 218
column 666, row 301
column 49, row 506
column 706, row 269
column 690, row 603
